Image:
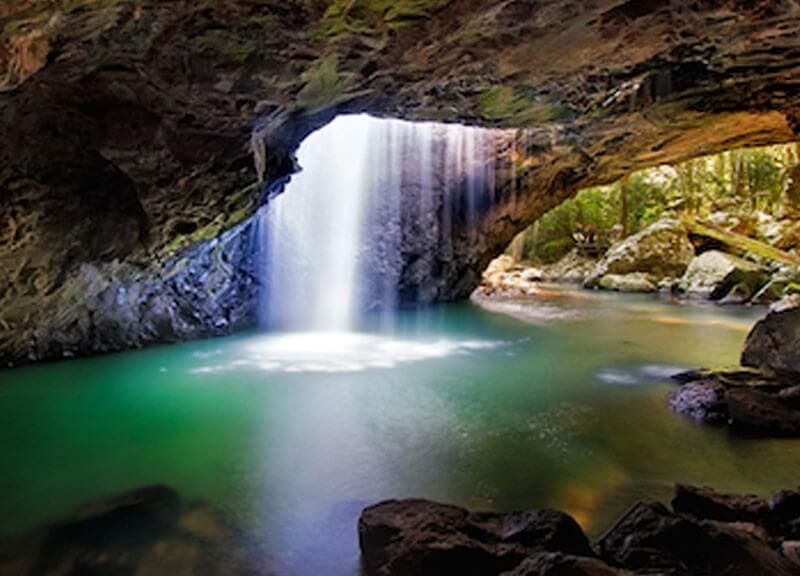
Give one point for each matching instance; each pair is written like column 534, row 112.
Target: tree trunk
column 624, row 216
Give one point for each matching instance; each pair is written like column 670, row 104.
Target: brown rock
column 708, row 504
column 760, row 413
column 650, row 539
column 419, row 538
column 774, row 342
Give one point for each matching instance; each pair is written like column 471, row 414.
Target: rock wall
column 211, row 289
column 133, row 130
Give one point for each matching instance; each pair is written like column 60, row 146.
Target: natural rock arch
column 127, row 128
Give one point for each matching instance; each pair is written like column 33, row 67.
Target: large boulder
column 715, row 275
column 423, row 538
column 774, row 342
column 660, row 250
column 650, row 539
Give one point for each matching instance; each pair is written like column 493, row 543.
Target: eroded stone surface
column 131, row 130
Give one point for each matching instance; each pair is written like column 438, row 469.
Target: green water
column 565, row 409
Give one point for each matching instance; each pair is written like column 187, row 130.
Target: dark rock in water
column 149, row 531
column 703, row 401
column 785, row 507
column 774, row 342
column 709, row 504
column 652, row 540
column 760, row 413
column 419, row 538
column 750, row 402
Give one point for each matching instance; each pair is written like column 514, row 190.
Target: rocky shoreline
column 666, row 258
column 153, row 530
column 762, row 398
column 705, row 533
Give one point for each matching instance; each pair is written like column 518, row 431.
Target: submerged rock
column 774, row 342
column 660, row 250
column 150, row 531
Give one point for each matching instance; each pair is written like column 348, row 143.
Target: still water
column 559, row 402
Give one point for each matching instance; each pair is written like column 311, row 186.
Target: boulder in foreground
column 423, row 538
column 707, row 533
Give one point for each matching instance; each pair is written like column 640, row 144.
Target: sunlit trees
column 739, row 182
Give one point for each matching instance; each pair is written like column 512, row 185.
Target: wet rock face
column 774, row 343
column 131, row 131
column 209, row 290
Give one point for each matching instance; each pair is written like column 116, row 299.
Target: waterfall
column 367, row 223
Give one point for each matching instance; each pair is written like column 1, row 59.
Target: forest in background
column 747, row 184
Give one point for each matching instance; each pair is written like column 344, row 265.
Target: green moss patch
column 366, row 17
column 519, row 105
column 324, row 84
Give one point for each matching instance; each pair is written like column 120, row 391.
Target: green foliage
column 738, row 182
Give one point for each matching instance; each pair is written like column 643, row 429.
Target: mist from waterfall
column 366, row 223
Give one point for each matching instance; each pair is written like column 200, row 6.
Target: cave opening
column 255, row 323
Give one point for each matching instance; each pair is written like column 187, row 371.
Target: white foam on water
column 328, row 352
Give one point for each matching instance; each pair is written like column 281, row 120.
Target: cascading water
column 368, row 221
